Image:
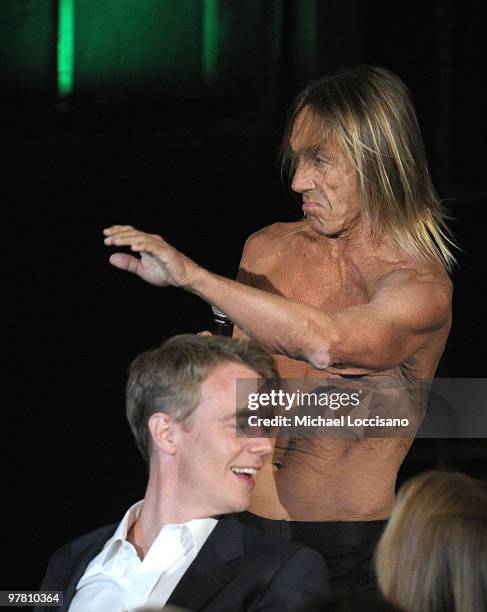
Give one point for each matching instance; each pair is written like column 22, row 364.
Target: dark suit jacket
column 238, row 569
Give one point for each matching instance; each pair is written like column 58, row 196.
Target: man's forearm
column 278, row 323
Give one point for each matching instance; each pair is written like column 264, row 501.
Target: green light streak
column 65, row 48
column 306, row 19
column 210, row 40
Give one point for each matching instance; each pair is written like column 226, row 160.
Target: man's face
column 210, row 456
column 327, row 180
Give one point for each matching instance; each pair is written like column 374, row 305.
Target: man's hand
column 160, row 264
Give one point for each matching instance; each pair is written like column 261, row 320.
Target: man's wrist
column 196, row 280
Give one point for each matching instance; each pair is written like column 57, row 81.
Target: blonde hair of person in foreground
column 432, row 556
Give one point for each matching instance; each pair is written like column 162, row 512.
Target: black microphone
column 222, row 324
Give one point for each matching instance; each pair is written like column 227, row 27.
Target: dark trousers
column 347, row 546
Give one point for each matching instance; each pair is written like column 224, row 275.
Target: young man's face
column 328, row 182
column 210, row 455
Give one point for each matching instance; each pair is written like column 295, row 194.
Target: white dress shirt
column 116, row 580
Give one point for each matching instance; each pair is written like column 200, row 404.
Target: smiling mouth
column 245, row 474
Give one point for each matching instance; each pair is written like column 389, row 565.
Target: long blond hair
column 432, row 556
column 368, row 111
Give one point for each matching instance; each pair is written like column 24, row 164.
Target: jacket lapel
column 210, row 571
column 74, row 565
column 75, row 568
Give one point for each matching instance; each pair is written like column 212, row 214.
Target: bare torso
column 331, row 478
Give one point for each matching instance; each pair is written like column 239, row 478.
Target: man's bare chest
column 320, row 281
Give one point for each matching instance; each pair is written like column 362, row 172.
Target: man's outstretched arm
column 404, row 310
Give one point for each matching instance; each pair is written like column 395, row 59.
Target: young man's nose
column 261, row 445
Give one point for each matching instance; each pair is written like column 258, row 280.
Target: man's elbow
column 322, row 350
column 320, row 359
column 320, row 354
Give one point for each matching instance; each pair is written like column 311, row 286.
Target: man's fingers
column 125, row 262
column 204, row 333
column 108, row 231
column 124, row 237
column 159, row 263
column 135, row 238
column 159, row 250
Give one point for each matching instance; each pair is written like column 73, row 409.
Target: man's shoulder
column 285, row 572
column 85, row 541
column 268, row 545
column 241, row 568
column 66, row 559
column 426, row 278
column 276, row 231
column 271, row 237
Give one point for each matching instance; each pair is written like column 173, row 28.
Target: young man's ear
column 163, row 430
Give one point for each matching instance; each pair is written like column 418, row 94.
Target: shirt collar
column 199, row 529
column 115, row 542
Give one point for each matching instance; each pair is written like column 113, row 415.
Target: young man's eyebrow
column 237, row 414
column 228, row 416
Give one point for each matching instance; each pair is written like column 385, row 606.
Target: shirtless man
column 359, row 287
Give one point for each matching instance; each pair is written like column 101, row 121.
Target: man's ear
column 163, row 430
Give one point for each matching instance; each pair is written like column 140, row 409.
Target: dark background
column 172, row 124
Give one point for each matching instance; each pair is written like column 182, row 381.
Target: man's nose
column 302, row 180
column 261, row 445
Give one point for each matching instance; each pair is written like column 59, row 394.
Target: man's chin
column 329, row 230
column 240, row 505
column 319, row 227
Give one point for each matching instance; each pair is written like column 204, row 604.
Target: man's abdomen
column 330, row 480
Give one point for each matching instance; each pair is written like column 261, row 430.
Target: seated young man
column 181, row 544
